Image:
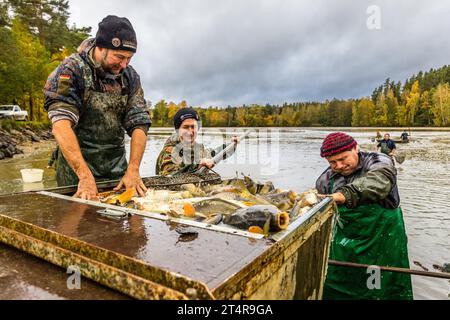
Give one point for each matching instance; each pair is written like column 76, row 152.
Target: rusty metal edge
column 129, row 284
column 276, row 254
column 106, row 257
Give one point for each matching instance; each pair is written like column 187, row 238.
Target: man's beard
column 114, row 69
column 110, row 67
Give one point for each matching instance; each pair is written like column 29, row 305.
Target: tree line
column 423, row 100
column 35, row 38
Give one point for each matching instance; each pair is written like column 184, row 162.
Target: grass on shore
column 8, row 125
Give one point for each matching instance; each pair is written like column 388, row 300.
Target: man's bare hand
column 132, row 179
column 87, row 189
column 235, row 139
column 338, row 197
column 209, row 163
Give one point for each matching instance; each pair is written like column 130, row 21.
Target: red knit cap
column 335, row 143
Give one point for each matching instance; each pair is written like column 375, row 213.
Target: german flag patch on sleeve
column 64, row 83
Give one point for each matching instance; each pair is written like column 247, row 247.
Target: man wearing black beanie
column 181, row 153
column 93, row 98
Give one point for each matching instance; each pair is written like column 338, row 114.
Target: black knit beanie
column 183, row 114
column 116, row 33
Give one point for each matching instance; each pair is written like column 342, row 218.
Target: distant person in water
column 387, row 146
column 379, row 136
column 404, row 136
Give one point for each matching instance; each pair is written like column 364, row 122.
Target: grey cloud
column 235, row 52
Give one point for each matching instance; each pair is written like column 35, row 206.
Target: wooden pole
column 391, row 269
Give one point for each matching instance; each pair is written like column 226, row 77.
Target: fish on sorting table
column 213, row 219
column 266, row 188
column 252, row 186
column 118, row 199
column 284, row 200
column 240, row 192
column 166, row 195
column 266, row 217
column 216, row 205
column 309, row 199
column 297, row 210
column 194, row 190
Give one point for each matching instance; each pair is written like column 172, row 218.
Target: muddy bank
column 24, row 142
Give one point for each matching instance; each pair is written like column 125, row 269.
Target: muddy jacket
column 175, row 158
column 374, row 181
column 66, row 87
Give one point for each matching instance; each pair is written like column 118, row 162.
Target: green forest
column 422, row 101
column 36, row 37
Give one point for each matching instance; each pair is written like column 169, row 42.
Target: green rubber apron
column 101, row 138
column 369, row 234
column 384, row 148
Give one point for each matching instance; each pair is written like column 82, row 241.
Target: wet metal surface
column 23, row 276
column 209, row 257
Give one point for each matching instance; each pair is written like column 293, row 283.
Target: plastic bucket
column 32, row 175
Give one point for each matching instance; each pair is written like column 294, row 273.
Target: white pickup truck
column 13, row 112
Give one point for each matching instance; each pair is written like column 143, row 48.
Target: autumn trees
column 35, row 38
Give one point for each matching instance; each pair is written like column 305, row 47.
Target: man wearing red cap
column 370, row 228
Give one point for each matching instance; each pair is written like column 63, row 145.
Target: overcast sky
column 234, row 52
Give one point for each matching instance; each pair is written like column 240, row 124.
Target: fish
column 266, row 217
column 166, row 195
column 266, row 188
column 284, row 205
column 121, row 199
column 309, row 199
column 214, row 189
column 298, row 210
column 215, row 205
column 256, row 229
column 236, row 183
column 213, row 219
column 286, row 195
column 284, row 200
column 240, row 192
column 295, row 211
column 193, row 190
column 252, row 186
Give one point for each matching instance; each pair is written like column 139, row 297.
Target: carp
column 266, row 217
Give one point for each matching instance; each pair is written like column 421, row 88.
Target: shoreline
column 30, row 149
column 24, row 143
